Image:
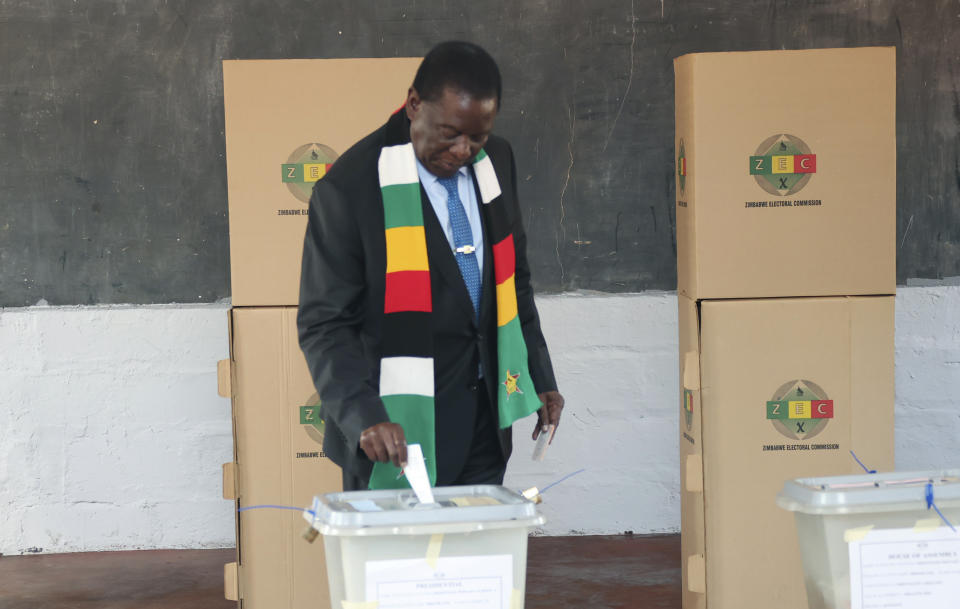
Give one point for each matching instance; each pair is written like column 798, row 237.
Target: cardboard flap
column 231, row 588
column 826, row 202
column 697, row 574
column 224, row 387
column 693, row 474
column 691, row 370
column 266, row 244
column 230, row 481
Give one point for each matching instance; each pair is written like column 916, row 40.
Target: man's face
column 449, row 131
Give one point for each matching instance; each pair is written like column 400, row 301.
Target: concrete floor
column 616, row 572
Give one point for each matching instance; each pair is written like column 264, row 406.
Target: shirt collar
column 425, row 173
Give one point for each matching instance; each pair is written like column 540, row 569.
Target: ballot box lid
column 455, row 509
column 886, row 492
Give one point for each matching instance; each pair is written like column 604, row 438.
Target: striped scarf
column 406, row 367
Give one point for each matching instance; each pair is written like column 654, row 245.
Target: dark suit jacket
column 341, row 312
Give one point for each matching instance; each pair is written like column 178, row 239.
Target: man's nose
column 462, row 148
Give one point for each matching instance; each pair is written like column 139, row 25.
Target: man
column 417, row 317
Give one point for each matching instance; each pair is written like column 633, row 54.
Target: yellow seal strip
column 925, row 525
column 433, row 550
column 851, row 535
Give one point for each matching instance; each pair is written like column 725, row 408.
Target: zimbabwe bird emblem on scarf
column 511, row 383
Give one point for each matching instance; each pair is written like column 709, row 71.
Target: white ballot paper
column 905, row 569
column 458, row 582
column 543, row 441
column 416, row 473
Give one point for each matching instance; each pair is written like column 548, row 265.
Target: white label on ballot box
column 905, row 569
column 472, row 582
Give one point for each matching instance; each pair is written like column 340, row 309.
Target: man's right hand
column 385, row 442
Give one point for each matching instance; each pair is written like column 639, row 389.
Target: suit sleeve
column 330, row 316
column 538, row 357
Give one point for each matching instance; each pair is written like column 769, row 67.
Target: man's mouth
column 449, row 166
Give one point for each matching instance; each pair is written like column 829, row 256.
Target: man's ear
column 413, row 103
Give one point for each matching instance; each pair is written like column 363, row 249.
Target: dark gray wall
column 112, row 170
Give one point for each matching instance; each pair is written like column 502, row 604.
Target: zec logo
column 306, row 165
column 783, row 164
column 312, row 420
column 800, row 409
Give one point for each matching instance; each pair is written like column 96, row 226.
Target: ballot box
column 878, row 540
column 386, row 549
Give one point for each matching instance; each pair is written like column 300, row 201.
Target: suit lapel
column 488, row 288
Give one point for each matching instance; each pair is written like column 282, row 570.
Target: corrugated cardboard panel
column 231, row 577
column 831, row 231
column 280, row 461
column 285, row 120
column 685, row 152
column 224, row 388
column 693, row 473
column 230, row 481
column 770, row 358
column 231, row 590
column 691, row 446
column 872, row 331
column 696, row 575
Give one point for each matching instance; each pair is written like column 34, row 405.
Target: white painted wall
column 615, row 357
column 112, row 433
column 111, row 430
column 928, row 378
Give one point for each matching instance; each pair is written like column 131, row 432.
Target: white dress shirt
column 468, row 196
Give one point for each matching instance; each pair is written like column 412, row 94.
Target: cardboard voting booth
column 786, row 166
column 286, row 122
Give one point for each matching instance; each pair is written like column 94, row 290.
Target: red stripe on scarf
column 504, row 259
column 408, row 291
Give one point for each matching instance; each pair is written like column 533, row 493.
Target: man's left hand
column 549, row 413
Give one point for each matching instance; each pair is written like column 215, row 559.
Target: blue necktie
column 463, row 241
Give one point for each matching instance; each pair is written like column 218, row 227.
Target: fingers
column 549, row 413
column 554, row 415
column 385, row 442
column 396, row 445
column 402, row 444
column 553, row 431
column 553, row 403
column 372, row 446
column 541, row 422
column 393, row 453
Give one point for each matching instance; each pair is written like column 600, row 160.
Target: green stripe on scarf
column 404, row 205
column 516, row 396
column 415, row 414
